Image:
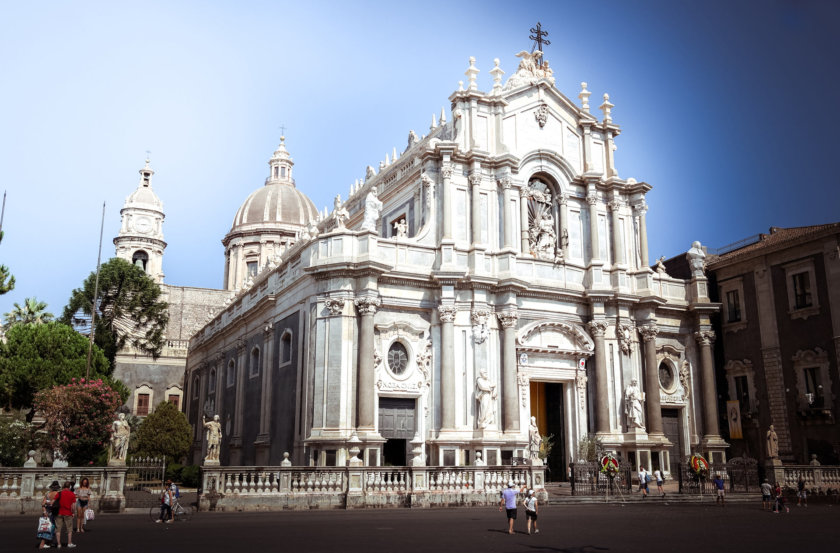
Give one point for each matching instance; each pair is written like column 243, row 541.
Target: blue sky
column 729, row 109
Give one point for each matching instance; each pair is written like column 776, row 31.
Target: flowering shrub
column 79, row 417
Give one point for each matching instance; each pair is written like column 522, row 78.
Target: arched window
column 211, row 382
column 140, row 259
column 254, row 369
column 286, row 347
column 231, row 373
column 196, row 384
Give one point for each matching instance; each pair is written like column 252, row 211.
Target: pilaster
column 510, row 391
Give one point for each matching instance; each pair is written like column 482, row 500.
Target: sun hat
column 530, row 492
column 511, row 484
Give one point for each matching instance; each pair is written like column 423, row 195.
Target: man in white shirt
column 644, row 477
column 660, row 481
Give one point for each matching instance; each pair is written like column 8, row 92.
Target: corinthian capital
column 525, row 192
column 446, row 171
column 505, row 183
column 614, row 205
column 426, row 179
column 479, row 316
column 508, row 318
column 475, row 179
column 592, row 199
column 597, row 328
column 641, row 208
column 367, row 305
column 705, row 337
column 649, row 332
column 446, row 313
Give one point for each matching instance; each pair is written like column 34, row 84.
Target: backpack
column 177, row 491
column 647, row 478
column 56, row 504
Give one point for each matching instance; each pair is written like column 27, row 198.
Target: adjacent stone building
column 780, row 339
column 495, row 270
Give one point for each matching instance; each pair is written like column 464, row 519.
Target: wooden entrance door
column 671, row 428
column 396, row 417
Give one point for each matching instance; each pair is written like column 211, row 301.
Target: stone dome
column 277, row 205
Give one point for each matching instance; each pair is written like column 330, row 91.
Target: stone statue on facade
column 370, row 172
column 373, row 208
column 660, row 266
column 479, row 462
column 633, row 405
column 214, row 439
column 401, row 228
column 120, row 432
column 696, row 259
column 772, row 443
column 340, row 213
column 534, row 442
column 485, row 393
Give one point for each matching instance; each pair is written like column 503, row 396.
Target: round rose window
column 397, row 358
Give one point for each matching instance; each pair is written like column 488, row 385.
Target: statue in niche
column 696, row 259
column 534, row 442
column 772, row 443
column 633, row 398
column 373, row 207
column 401, row 228
column 214, row 438
column 485, row 393
column 340, row 214
column 120, row 432
column 542, row 236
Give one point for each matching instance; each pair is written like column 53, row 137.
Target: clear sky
column 728, row 108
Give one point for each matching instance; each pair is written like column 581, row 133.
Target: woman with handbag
column 82, row 497
column 47, row 532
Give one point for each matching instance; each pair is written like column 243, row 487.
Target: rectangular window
column 742, row 393
column 175, row 400
column 283, row 172
column 142, row 405
column 813, row 387
column 801, row 290
column 252, row 268
column 733, row 306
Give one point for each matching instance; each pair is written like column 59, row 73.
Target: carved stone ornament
column 505, row 183
column 480, row 331
column 580, row 382
column 541, row 115
column 625, row 338
column 377, row 359
column 579, row 340
column 367, row 305
column 335, row 305
column 649, row 332
column 446, row 313
column 525, row 192
column 424, row 363
column 475, row 179
column 592, row 199
column 705, row 337
column 508, row 318
column 597, row 328
column 524, row 385
column 530, row 70
column 427, row 181
column 446, row 171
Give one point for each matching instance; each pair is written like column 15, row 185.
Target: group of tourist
column 508, row 503
column 63, row 510
column 645, row 479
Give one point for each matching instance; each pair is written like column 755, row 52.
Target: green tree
column 31, row 312
column 78, row 418
column 35, row 357
column 7, row 281
column 129, row 310
column 164, row 432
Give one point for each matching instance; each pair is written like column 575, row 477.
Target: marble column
column 641, row 209
column 618, row 249
column 220, row 381
column 587, row 150
column 652, row 402
column 602, row 412
column 366, row 306
column 446, row 314
column 705, row 339
column 505, row 183
column 265, row 392
column 524, row 194
column 510, row 389
column 475, row 183
column 446, row 173
column 595, row 250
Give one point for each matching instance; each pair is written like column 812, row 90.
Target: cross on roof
column 539, row 39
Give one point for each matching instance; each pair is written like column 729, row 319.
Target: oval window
column 666, row 376
column 397, row 358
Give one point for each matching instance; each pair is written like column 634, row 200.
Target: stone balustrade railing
column 23, row 489
column 274, row 488
column 820, row 477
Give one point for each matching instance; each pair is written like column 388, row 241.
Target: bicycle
column 179, row 512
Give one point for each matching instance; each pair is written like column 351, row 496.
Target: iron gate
column 740, row 475
column 144, row 481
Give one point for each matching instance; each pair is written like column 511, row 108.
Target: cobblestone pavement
column 564, row 529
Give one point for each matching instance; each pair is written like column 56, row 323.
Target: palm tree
column 31, row 312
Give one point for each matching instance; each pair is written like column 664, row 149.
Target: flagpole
column 95, row 296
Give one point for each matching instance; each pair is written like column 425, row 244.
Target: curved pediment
column 555, row 337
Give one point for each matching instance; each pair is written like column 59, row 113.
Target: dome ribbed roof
column 275, row 204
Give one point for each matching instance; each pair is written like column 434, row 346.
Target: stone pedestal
column 113, row 499
column 775, row 471
column 116, row 462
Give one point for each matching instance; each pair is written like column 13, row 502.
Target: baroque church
column 490, row 281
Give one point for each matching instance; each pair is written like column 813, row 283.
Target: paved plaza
column 564, row 529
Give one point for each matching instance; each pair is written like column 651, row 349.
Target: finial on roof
column 394, row 153
column 606, row 107
column 497, row 77
column 471, row 73
column 460, row 86
column 433, row 126
column 442, row 117
column 584, row 97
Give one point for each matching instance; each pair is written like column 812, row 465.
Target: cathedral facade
column 490, row 281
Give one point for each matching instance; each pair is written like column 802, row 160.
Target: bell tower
column 140, row 240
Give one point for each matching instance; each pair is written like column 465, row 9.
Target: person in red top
column 66, row 499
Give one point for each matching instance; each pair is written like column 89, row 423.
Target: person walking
column 531, row 509
column 721, row 491
column 48, row 511
column 766, row 495
column 66, row 499
column 508, row 503
column 780, row 500
column 83, row 493
column 801, row 493
column 659, row 475
column 166, row 501
column 644, row 480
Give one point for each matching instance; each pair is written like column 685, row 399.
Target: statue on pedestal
column 485, row 393
column 633, row 405
column 534, row 442
column 120, row 433
column 772, row 443
column 214, row 439
column 340, row 213
column 373, row 207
